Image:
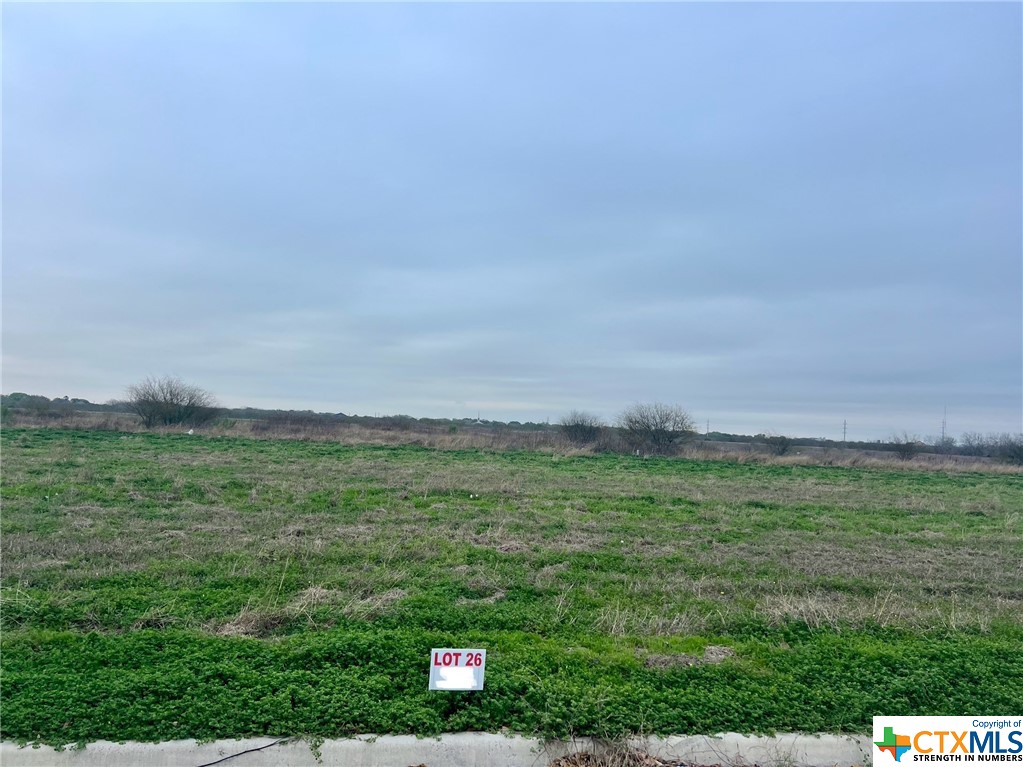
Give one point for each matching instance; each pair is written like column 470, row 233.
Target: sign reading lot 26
column 452, row 669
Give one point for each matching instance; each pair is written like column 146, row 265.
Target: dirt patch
column 712, row 654
column 497, row 596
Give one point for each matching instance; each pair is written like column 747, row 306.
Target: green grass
column 166, row 586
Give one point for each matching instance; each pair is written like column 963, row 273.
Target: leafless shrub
column 778, row 444
column 581, row 428
column 655, row 426
column 301, row 424
column 1010, row 449
column 905, row 446
column 169, row 401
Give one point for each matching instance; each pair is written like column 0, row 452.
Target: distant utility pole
column 944, row 420
column 844, row 426
column 708, row 426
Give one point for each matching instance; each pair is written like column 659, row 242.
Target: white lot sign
column 457, row 669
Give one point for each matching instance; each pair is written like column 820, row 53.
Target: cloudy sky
column 780, row 216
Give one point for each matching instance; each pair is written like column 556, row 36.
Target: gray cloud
column 779, row 215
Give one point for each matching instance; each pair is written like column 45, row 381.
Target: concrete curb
column 453, row 750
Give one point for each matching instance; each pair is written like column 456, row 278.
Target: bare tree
column 778, row 444
column 973, row 443
column 656, row 426
column 1009, row 448
column 906, row 446
column 581, row 428
column 170, row 401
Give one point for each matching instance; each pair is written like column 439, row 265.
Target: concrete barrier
column 453, row 750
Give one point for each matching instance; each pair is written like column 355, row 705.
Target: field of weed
column 173, row 586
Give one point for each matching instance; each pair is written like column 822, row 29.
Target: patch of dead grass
column 254, row 623
column 614, row 755
column 372, row 606
column 712, row 654
column 494, row 598
column 315, row 596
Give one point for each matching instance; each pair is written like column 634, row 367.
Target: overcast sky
column 780, row 216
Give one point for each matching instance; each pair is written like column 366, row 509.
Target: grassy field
column 167, row 586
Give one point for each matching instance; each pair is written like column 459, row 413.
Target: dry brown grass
column 712, row 654
column 613, row 753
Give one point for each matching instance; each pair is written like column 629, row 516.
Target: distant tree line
column 651, row 428
column 1004, row 447
column 44, row 408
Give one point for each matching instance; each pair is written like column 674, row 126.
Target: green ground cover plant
column 163, row 586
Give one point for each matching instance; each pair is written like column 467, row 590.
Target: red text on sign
column 455, row 659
